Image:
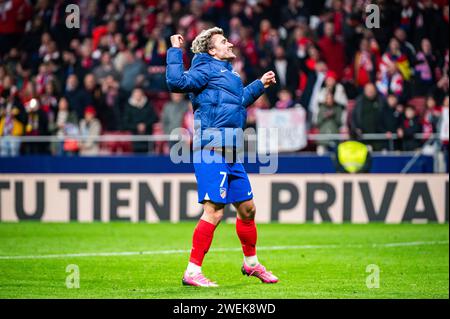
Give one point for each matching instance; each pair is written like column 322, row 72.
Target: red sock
column 246, row 231
column 201, row 241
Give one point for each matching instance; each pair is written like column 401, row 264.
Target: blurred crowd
column 107, row 76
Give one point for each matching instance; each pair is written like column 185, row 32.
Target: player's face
column 222, row 49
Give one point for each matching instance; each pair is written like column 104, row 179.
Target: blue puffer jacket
column 217, row 94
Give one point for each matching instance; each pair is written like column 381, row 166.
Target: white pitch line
column 181, row 251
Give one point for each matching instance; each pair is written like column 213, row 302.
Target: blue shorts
column 218, row 181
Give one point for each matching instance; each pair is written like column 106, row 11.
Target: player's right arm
column 177, row 79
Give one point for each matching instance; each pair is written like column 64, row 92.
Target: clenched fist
column 177, row 40
column 268, row 79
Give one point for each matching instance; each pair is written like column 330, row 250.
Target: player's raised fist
column 177, row 40
column 268, row 79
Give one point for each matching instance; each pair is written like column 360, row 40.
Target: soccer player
column 219, row 101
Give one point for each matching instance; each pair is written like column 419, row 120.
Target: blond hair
column 202, row 42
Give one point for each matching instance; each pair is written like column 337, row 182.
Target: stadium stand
column 121, row 45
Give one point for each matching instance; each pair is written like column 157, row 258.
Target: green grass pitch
column 312, row 261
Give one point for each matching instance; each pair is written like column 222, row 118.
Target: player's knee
column 214, row 212
column 249, row 212
column 214, row 216
column 218, row 215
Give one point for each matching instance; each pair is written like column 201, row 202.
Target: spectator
column 285, row 100
column 365, row 63
column 90, row 128
column 299, row 43
column 391, row 81
column 88, row 18
column 44, row 48
column 367, row 108
column 90, row 94
column 425, row 69
column 8, row 89
column 139, row 118
column 43, row 77
column 23, row 76
column 106, row 68
column 444, row 129
column 352, row 32
column 11, row 61
column 293, row 13
column 264, row 33
column 286, row 72
column 155, row 48
column 249, row 48
column 314, row 83
column 390, row 118
column 154, row 80
column 114, row 11
column 394, row 60
column 58, row 28
column 405, row 46
column 408, row 16
column 332, row 50
column 70, row 66
column 173, row 113
column 330, row 85
column 14, row 15
column 177, row 11
column 408, row 128
column 269, row 38
column 12, row 123
column 36, row 125
column 74, row 95
column 427, row 22
column 65, row 120
column 337, row 17
column 49, row 102
column 443, row 33
column 431, row 117
column 443, row 83
column 329, row 120
column 51, row 53
column 119, row 59
column 86, row 60
column 235, row 31
column 43, row 11
column 307, row 64
column 103, row 35
column 28, row 92
column 133, row 68
column 110, row 111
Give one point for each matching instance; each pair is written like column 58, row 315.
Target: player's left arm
column 255, row 89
